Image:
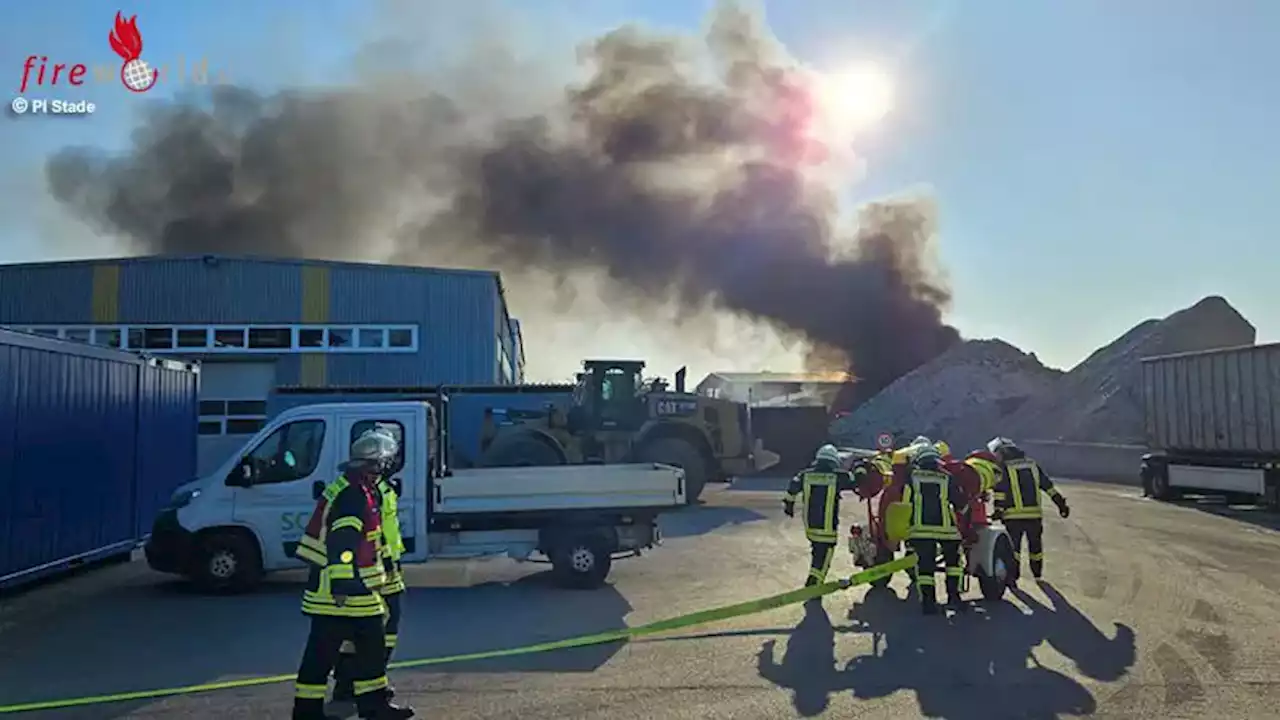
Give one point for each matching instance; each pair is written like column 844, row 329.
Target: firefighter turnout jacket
column 341, row 543
column 1018, row 488
column 392, row 541
column 988, row 468
column 818, row 488
column 935, row 498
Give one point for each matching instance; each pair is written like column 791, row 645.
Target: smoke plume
column 673, row 173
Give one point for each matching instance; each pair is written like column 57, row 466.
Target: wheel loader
column 617, row 417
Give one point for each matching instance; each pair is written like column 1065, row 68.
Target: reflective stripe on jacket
column 932, row 501
column 1017, row 492
column 818, row 489
column 341, row 543
column 392, row 540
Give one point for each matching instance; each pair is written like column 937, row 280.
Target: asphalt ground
column 1150, row 610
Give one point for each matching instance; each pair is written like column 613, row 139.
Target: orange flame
column 125, row 38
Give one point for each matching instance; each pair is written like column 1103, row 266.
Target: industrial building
column 260, row 323
column 766, row 389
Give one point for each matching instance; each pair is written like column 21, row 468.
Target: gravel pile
column 957, row 396
column 1100, row 400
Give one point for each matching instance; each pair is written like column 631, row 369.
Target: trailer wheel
column 1160, row 489
column 227, row 561
column 582, row 562
column 883, row 555
column 1004, row 570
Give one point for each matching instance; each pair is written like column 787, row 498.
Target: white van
column 225, row 530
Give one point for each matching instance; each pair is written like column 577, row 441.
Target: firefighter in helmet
column 391, row 542
column 1017, row 500
column 341, row 546
column 936, row 498
column 818, row 487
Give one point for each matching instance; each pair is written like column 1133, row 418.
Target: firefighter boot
column 928, row 598
column 953, row 595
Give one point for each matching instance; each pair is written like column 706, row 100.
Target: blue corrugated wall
column 88, row 439
column 168, row 412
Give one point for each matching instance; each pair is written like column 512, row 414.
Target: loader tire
column 520, row 451
column 674, row 451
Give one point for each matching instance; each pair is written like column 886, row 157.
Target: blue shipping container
column 92, row 443
column 466, row 406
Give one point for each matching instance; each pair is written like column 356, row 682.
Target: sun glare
column 855, row 98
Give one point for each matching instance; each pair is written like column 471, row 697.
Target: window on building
column 311, row 338
column 107, row 337
column 339, row 337
column 394, row 428
column 210, row 427
column 228, row 338
column 198, row 340
column 244, row 426
column 371, row 337
column 215, row 408
column 246, row 407
column 400, row 338
column 273, row 338
column 154, row 338
column 81, row 335
column 290, row 453
column 193, row 337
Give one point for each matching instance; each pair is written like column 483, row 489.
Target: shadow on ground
column 702, row 519
column 121, row 635
column 1246, row 512
column 976, row 665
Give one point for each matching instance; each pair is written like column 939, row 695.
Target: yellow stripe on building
column 106, row 293
column 315, row 311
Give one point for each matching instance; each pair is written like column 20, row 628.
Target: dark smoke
column 674, row 174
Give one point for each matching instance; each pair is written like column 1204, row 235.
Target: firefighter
column 935, row 499
column 340, row 544
column 987, row 466
column 1017, row 501
column 820, row 486
column 392, row 548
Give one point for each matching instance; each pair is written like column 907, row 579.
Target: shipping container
column 1216, row 401
column 467, row 404
column 92, row 443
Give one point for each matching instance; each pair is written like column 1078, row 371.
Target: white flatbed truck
column 227, row 530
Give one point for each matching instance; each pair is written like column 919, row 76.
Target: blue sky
column 1095, row 163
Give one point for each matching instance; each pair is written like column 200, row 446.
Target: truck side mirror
column 317, row 490
column 241, row 475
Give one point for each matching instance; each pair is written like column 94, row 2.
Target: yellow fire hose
column 703, row 617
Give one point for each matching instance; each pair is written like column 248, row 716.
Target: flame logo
column 126, row 41
column 125, row 38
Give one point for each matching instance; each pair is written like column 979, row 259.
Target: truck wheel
column 582, row 563
column 227, row 562
column 883, row 555
column 674, row 451
column 1003, row 570
column 519, row 451
column 1160, row 489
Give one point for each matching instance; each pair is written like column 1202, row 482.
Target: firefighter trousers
column 369, row 670
column 820, row 562
column 1033, row 530
column 343, row 672
column 926, row 552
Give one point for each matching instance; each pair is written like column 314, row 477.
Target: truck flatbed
column 557, row 488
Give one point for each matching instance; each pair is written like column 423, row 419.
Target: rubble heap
column 957, row 396
column 1100, row 400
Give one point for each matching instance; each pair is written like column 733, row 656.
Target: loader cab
column 609, row 396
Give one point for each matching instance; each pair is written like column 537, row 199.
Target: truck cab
column 228, row 529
